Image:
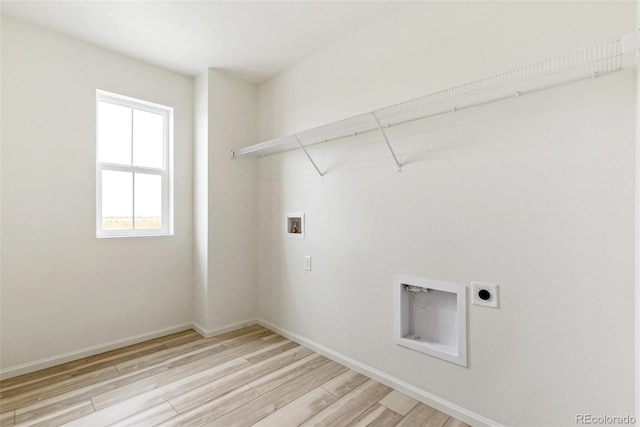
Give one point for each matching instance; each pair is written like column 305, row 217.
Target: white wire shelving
column 583, row 64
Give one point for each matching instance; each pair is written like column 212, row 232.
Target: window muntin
column 133, row 177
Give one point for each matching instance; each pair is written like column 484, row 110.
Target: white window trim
column 166, row 172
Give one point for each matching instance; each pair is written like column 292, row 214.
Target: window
column 133, row 177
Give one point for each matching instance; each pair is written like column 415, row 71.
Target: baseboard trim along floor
column 247, row 377
column 208, row 333
column 432, row 400
column 427, row 398
column 47, row 362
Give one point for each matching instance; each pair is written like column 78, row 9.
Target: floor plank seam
column 92, row 405
column 173, row 407
column 329, row 391
column 377, row 402
column 259, row 394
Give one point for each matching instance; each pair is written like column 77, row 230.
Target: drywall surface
column 535, row 194
column 232, row 202
column 63, row 289
column 431, row 46
column 637, row 233
column 201, row 198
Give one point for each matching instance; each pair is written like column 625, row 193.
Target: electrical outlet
column 484, row 294
column 307, row 262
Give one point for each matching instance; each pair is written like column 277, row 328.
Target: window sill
column 120, row 236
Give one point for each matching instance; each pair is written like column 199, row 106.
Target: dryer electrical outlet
column 484, row 294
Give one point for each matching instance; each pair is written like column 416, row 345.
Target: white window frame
column 165, row 172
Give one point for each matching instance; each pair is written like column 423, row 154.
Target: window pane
column 117, row 200
column 148, row 137
column 148, row 200
column 114, row 133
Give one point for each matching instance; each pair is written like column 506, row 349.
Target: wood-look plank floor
column 248, row 377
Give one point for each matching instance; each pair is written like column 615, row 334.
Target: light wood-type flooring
column 248, row 377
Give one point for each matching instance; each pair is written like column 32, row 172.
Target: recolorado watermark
column 605, row 419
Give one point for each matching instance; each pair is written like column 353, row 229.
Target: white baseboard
column 208, row 333
column 432, row 400
column 47, row 362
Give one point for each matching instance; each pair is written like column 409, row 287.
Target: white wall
column 226, row 252
column 535, row 194
column 62, row 288
column 431, row 46
column 637, row 233
column 201, row 200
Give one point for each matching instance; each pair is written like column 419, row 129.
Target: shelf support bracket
column 384, row 135
column 631, row 42
column 308, row 156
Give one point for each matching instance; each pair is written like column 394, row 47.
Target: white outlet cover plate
column 492, row 302
column 307, row 263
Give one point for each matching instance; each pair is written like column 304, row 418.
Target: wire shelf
column 583, row 64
